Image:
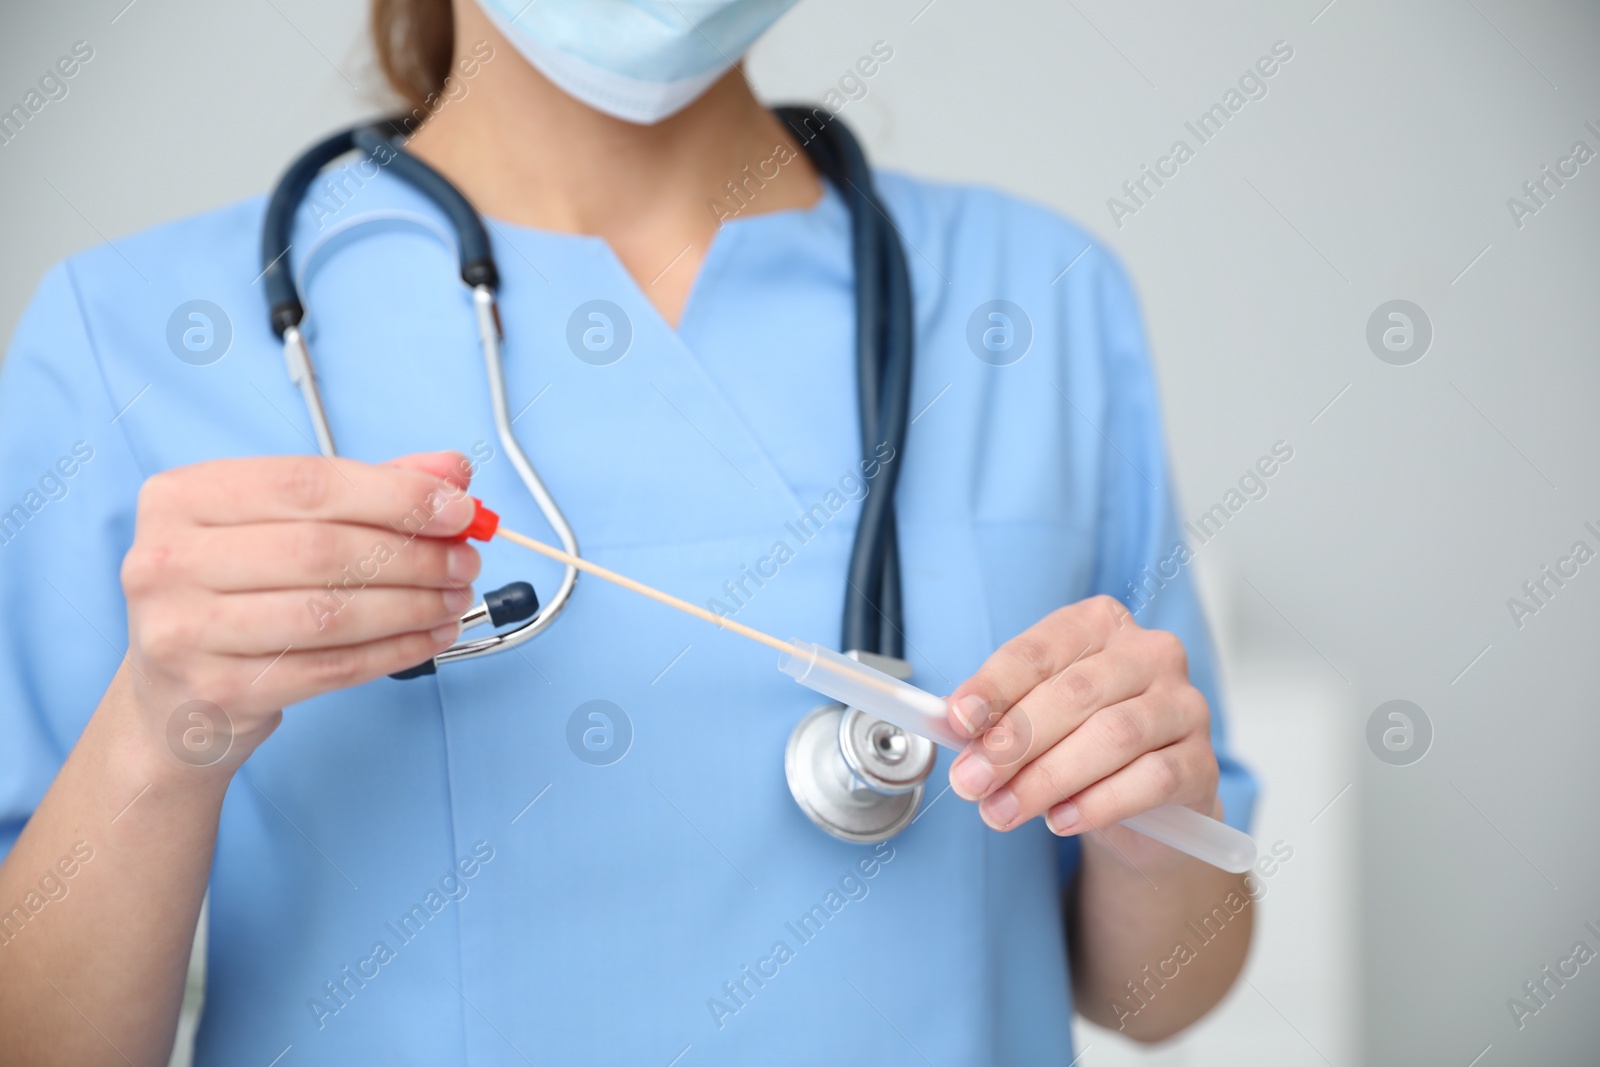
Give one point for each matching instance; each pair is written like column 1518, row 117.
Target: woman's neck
column 524, row 151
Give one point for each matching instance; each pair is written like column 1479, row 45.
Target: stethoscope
column 857, row 777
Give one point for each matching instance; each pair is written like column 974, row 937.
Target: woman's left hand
column 1086, row 718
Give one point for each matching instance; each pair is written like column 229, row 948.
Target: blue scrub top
column 446, row 870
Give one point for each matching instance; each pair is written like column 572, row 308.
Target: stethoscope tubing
column 884, row 340
column 884, row 336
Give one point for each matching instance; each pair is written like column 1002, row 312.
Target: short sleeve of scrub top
column 584, row 850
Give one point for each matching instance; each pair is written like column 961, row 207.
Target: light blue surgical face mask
column 640, row 60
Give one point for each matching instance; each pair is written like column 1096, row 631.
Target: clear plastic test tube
column 856, row 685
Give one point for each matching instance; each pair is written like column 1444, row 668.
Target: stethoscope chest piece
column 857, row 777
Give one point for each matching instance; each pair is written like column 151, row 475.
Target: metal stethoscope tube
column 297, row 356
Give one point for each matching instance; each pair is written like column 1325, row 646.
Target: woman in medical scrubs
column 447, row 870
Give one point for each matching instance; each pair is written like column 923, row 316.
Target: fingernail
column 972, row 711
column 1063, row 819
column 446, row 634
column 458, row 600
column 455, row 508
column 461, row 563
column 971, row 776
column 1000, row 810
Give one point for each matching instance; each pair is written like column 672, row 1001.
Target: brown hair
column 415, row 41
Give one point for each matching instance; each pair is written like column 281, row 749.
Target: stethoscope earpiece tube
column 277, row 230
column 472, row 239
column 872, row 612
column 895, row 424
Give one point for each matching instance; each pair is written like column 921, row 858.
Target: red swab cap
column 483, row 525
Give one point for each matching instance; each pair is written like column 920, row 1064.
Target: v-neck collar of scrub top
column 827, row 208
column 689, row 393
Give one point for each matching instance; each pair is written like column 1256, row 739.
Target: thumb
column 450, row 465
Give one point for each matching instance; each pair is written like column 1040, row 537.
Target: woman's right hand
column 257, row 583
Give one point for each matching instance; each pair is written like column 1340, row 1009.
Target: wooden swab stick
column 866, row 674
column 644, row 590
column 671, row 601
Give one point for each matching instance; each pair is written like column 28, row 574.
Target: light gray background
column 1378, row 167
